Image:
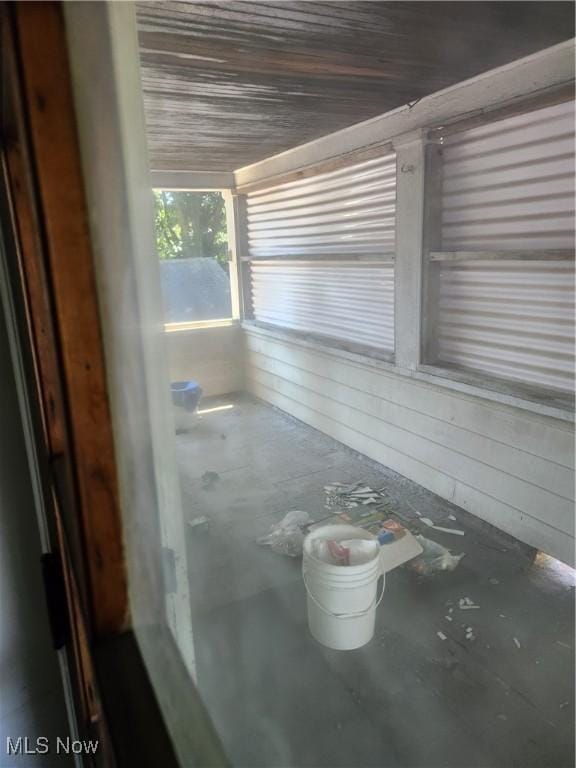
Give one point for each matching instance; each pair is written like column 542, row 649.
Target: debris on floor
column 393, row 527
column 491, row 679
column 349, row 496
column 360, row 504
column 412, row 507
column 517, row 642
column 397, row 543
column 287, row 536
column 434, row 558
column 197, row 522
column 209, row 480
column 403, row 548
column 357, row 503
column 432, row 524
column 466, row 604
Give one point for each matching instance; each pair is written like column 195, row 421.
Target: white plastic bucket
column 342, row 600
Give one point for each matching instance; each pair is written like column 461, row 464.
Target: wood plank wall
column 510, row 467
column 210, row 356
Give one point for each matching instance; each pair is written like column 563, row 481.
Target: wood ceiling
column 229, row 83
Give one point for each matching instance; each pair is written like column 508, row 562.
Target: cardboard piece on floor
column 399, row 552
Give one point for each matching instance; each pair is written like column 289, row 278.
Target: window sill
column 547, row 402
column 200, row 325
column 349, row 350
column 512, row 394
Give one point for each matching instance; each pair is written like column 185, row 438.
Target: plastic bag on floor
column 433, row 559
column 287, row 536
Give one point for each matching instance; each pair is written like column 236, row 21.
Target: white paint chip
column 448, row 618
column 453, row 531
column 441, row 635
column 517, row 643
column 431, row 524
column 202, row 520
column 465, row 604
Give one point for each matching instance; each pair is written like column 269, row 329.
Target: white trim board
column 191, row 180
column 546, row 69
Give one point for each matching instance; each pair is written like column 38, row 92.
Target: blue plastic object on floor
column 386, row 537
column 186, row 394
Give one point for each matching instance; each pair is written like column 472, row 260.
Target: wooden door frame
column 62, row 302
column 53, row 300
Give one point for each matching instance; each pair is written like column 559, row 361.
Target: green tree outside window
column 191, row 225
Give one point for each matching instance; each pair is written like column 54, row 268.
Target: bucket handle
column 374, row 604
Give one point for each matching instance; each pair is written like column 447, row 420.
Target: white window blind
column 348, row 301
column 509, row 187
column 510, row 318
column 321, row 253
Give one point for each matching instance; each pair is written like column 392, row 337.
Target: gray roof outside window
column 194, row 289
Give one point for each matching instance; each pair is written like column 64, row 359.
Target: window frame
column 342, row 162
column 524, row 394
column 185, row 182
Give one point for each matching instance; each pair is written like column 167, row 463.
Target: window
column 192, row 246
column 504, row 277
column 322, row 251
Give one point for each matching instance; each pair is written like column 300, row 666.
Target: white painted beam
column 234, row 261
column 544, row 70
column 190, row 180
column 410, row 177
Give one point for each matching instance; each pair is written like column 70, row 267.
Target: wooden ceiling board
column 229, row 83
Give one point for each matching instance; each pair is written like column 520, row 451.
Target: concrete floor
column 407, row 699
